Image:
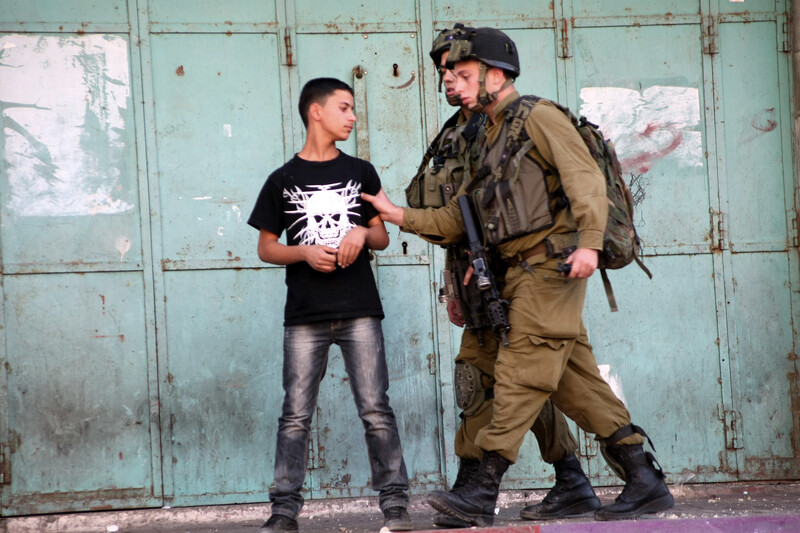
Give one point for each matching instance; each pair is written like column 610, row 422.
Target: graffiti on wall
column 648, row 125
column 64, row 104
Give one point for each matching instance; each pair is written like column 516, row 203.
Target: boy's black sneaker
column 279, row 522
column 396, row 519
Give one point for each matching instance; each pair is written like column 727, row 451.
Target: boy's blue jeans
column 305, row 358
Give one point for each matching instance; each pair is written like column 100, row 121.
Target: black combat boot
column 645, row 490
column 572, row 495
column 475, row 501
column 466, row 467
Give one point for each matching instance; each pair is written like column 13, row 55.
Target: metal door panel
column 749, row 8
column 70, row 154
column 227, row 12
column 758, row 212
column 76, row 357
column 662, row 9
column 660, row 354
column 647, row 100
column 765, row 363
column 74, row 11
column 407, row 299
column 353, row 15
column 754, row 156
column 223, row 383
column 218, row 135
column 502, row 13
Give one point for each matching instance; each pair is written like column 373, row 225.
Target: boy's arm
column 374, row 237
column 321, row 258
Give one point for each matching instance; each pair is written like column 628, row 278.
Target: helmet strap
column 485, row 97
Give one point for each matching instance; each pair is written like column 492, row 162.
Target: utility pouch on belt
column 561, row 245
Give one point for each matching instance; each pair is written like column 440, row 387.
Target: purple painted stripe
column 743, row 524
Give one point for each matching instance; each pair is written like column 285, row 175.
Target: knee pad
column 470, row 392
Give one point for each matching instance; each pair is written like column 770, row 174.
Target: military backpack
column 621, row 242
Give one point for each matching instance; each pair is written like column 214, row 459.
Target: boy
column 331, row 298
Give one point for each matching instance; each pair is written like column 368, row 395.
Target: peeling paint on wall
column 63, row 104
column 648, row 125
column 613, row 381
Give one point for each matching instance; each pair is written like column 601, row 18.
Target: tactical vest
column 450, row 156
column 514, row 193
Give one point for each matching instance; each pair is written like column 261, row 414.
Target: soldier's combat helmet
column 492, row 48
column 488, row 45
column 441, row 44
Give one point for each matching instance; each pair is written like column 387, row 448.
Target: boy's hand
column 321, row 258
column 351, row 246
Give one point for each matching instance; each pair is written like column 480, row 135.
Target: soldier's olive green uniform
column 549, row 356
column 452, row 159
column 552, row 433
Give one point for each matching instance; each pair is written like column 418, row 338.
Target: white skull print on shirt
column 326, row 212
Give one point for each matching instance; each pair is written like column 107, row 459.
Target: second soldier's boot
column 572, row 495
column 645, row 490
column 466, row 467
column 475, row 501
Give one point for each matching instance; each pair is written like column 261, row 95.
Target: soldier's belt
column 524, row 255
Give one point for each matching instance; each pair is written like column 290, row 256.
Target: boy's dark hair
column 317, row 91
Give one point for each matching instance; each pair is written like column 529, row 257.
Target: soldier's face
column 467, row 83
column 448, row 78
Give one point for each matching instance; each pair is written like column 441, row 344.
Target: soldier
column 562, row 219
column 451, row 156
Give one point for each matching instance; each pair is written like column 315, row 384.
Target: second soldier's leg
column 572, row 495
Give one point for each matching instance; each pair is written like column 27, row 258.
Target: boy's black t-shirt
column 317, row 203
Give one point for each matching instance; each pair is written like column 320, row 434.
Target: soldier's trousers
column 553, row 435
column 549, row 357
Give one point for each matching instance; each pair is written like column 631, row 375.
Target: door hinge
column 794, row 232
column 785, row 47
column 564, row 36
column 287, row 45
column 590, row 445
column 717, row 231
column 5, row 463
column 710, row 46
column 732, row 420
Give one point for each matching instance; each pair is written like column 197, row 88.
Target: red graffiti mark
column 120, row 337
column 763, row 123
column 767, row 125
column 642, row 162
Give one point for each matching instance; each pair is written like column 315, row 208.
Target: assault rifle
column 495, row 306
column 469, row 297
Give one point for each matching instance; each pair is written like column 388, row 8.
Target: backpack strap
column 612, row 301
column 516, row 114
column 452, row 121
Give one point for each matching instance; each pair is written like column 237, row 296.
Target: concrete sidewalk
column 728, row 507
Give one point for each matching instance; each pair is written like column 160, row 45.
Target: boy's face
column 336, row 115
